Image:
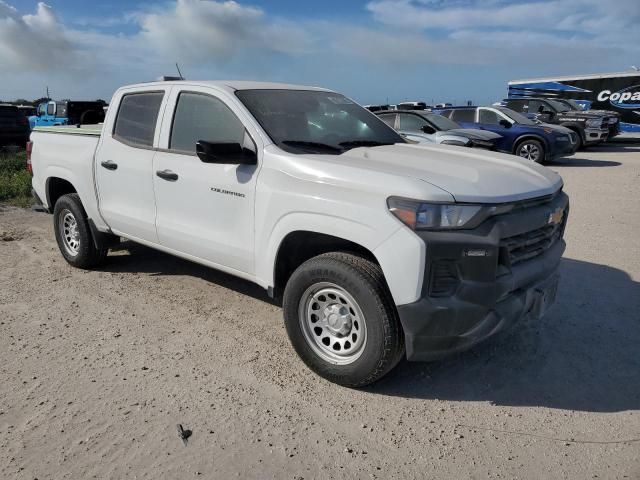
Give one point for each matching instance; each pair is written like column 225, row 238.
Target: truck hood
column 469, row 175
column 556, row 128
column 580, row 114
column 473, row 133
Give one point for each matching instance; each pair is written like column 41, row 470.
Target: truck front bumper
column 488, row 293
column 595, row 135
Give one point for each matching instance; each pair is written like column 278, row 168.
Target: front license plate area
column 546, row 296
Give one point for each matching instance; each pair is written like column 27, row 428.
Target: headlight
column 594, row 123
column 436, row 216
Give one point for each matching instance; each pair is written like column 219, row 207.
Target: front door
column 205, row 210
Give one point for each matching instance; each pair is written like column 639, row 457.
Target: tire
column 579, row 142
column 531, row 149
column 73, row 233
column 355, row 312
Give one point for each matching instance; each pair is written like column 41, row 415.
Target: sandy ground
column 97, row 369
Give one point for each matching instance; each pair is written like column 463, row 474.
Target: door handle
column 167, row 175
column 109, row 165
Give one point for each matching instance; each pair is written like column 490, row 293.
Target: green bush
column 15, row 181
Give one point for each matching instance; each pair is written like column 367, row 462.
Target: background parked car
column 413, row 106
column 591, row 128
column 27, row 110
column 14, row 126
column 67, row 112
column 426, row 127
column 520, row 135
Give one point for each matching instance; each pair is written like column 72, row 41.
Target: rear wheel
column 341, row 319
column 73, row 233
column 532, row 150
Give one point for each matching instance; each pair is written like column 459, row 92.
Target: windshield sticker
column 340, row 100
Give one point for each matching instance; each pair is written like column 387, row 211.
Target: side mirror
column 428, row 129
column 227, row 153
column 505, row 123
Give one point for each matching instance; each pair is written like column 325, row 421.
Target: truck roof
column 233, row 85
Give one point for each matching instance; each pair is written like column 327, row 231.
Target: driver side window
column 203, row 117
column 51, row 109
column 489, row 117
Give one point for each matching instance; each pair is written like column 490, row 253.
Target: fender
column 85, row 192
column 397, row 258
column 527, row 136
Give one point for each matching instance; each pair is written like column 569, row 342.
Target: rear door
column 124, row 163
column 205, row 210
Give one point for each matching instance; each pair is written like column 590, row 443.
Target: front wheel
column 341, row 319
column 73, row 233
column 532, row 150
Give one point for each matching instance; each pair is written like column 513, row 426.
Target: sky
column 375, row 51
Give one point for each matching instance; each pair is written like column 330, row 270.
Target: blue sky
column 372, row 50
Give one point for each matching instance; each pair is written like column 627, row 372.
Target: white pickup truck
column 376, row 246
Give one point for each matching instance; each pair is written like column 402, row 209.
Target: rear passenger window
column 464, row 116
column 203, row 117
column 518, row 105
column 137, row 117
column 389, row 119
column 411, row 123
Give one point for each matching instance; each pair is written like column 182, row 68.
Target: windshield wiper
column 304, row 143
column 363, row 143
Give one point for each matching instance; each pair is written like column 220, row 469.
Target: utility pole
column 48, row 97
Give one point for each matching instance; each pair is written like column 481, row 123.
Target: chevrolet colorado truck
column 377, row 247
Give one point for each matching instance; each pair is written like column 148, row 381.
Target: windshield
column 302, row 121
column 572, row 103
column 559, row 106
column 515, row 116
column 441, row 123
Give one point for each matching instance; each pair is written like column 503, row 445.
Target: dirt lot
column 98, row 368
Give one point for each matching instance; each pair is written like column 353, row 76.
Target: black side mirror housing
column 428, row 129
column 226, row 153
column 504, row 123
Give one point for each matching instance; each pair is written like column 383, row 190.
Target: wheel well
column 579, row 131
column 517, row 143
column 57, row 187
column 298, row 247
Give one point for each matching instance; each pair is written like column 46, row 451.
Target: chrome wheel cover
column 68, row 227
column 530, row 151
column 332, row 323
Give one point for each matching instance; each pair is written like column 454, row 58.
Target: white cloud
column 216, row 39
column 206, row 31
column 33, row 42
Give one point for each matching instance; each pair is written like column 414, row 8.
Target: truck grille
column 530, row 244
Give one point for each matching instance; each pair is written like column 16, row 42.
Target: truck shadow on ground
column 146, row 260
column 582, row 356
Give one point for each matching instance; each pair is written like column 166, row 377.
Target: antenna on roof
column 179, row 72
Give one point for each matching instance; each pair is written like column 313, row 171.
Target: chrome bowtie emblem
column 555, row 217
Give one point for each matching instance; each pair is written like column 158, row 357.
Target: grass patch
column 15, row 181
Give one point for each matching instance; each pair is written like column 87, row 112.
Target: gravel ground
column 97, row 369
